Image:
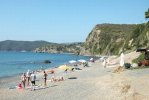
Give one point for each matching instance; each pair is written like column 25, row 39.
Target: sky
column 63, row 21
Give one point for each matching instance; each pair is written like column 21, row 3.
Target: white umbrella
column 122, row 59
column 72, row 61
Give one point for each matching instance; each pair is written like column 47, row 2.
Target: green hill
column 40, row 46
column 10, row 45
column 139, row 38
column 116, row 38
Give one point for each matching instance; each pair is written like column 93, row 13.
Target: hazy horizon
column 40, row 40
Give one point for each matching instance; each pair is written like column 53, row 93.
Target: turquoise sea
column 14, row 63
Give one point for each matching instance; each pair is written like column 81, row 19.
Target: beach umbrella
column 72, row 61
column 64, row 67
column 122, row 59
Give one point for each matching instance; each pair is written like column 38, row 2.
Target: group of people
column 30, row 77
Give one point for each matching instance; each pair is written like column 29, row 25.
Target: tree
column 147, row 14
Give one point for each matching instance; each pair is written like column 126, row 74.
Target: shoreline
column 90, row 83
column 9, row 82
column 31, row 63
column 14, row 80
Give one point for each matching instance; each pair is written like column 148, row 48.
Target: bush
column 140, row 58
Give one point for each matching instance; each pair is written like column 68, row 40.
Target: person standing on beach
column 33, row 79
column 23, row 79
column 28, row 74
column 104, row 63
column 45, row 78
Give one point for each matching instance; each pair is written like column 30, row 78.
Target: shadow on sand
column 72, row 78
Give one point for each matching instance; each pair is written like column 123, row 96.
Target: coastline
column 91, row 83
column 14, row 80
column 16, row 63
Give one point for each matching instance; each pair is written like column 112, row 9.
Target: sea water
column 13, row 63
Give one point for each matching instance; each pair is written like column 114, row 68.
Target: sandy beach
column 91, row 83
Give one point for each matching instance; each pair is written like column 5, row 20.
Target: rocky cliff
column 116, row 38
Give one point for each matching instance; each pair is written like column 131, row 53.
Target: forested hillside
column 10, row 45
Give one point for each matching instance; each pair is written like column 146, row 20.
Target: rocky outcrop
column 116, row 38
column 61, row 48
column 109, row 39
column 139, row 37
